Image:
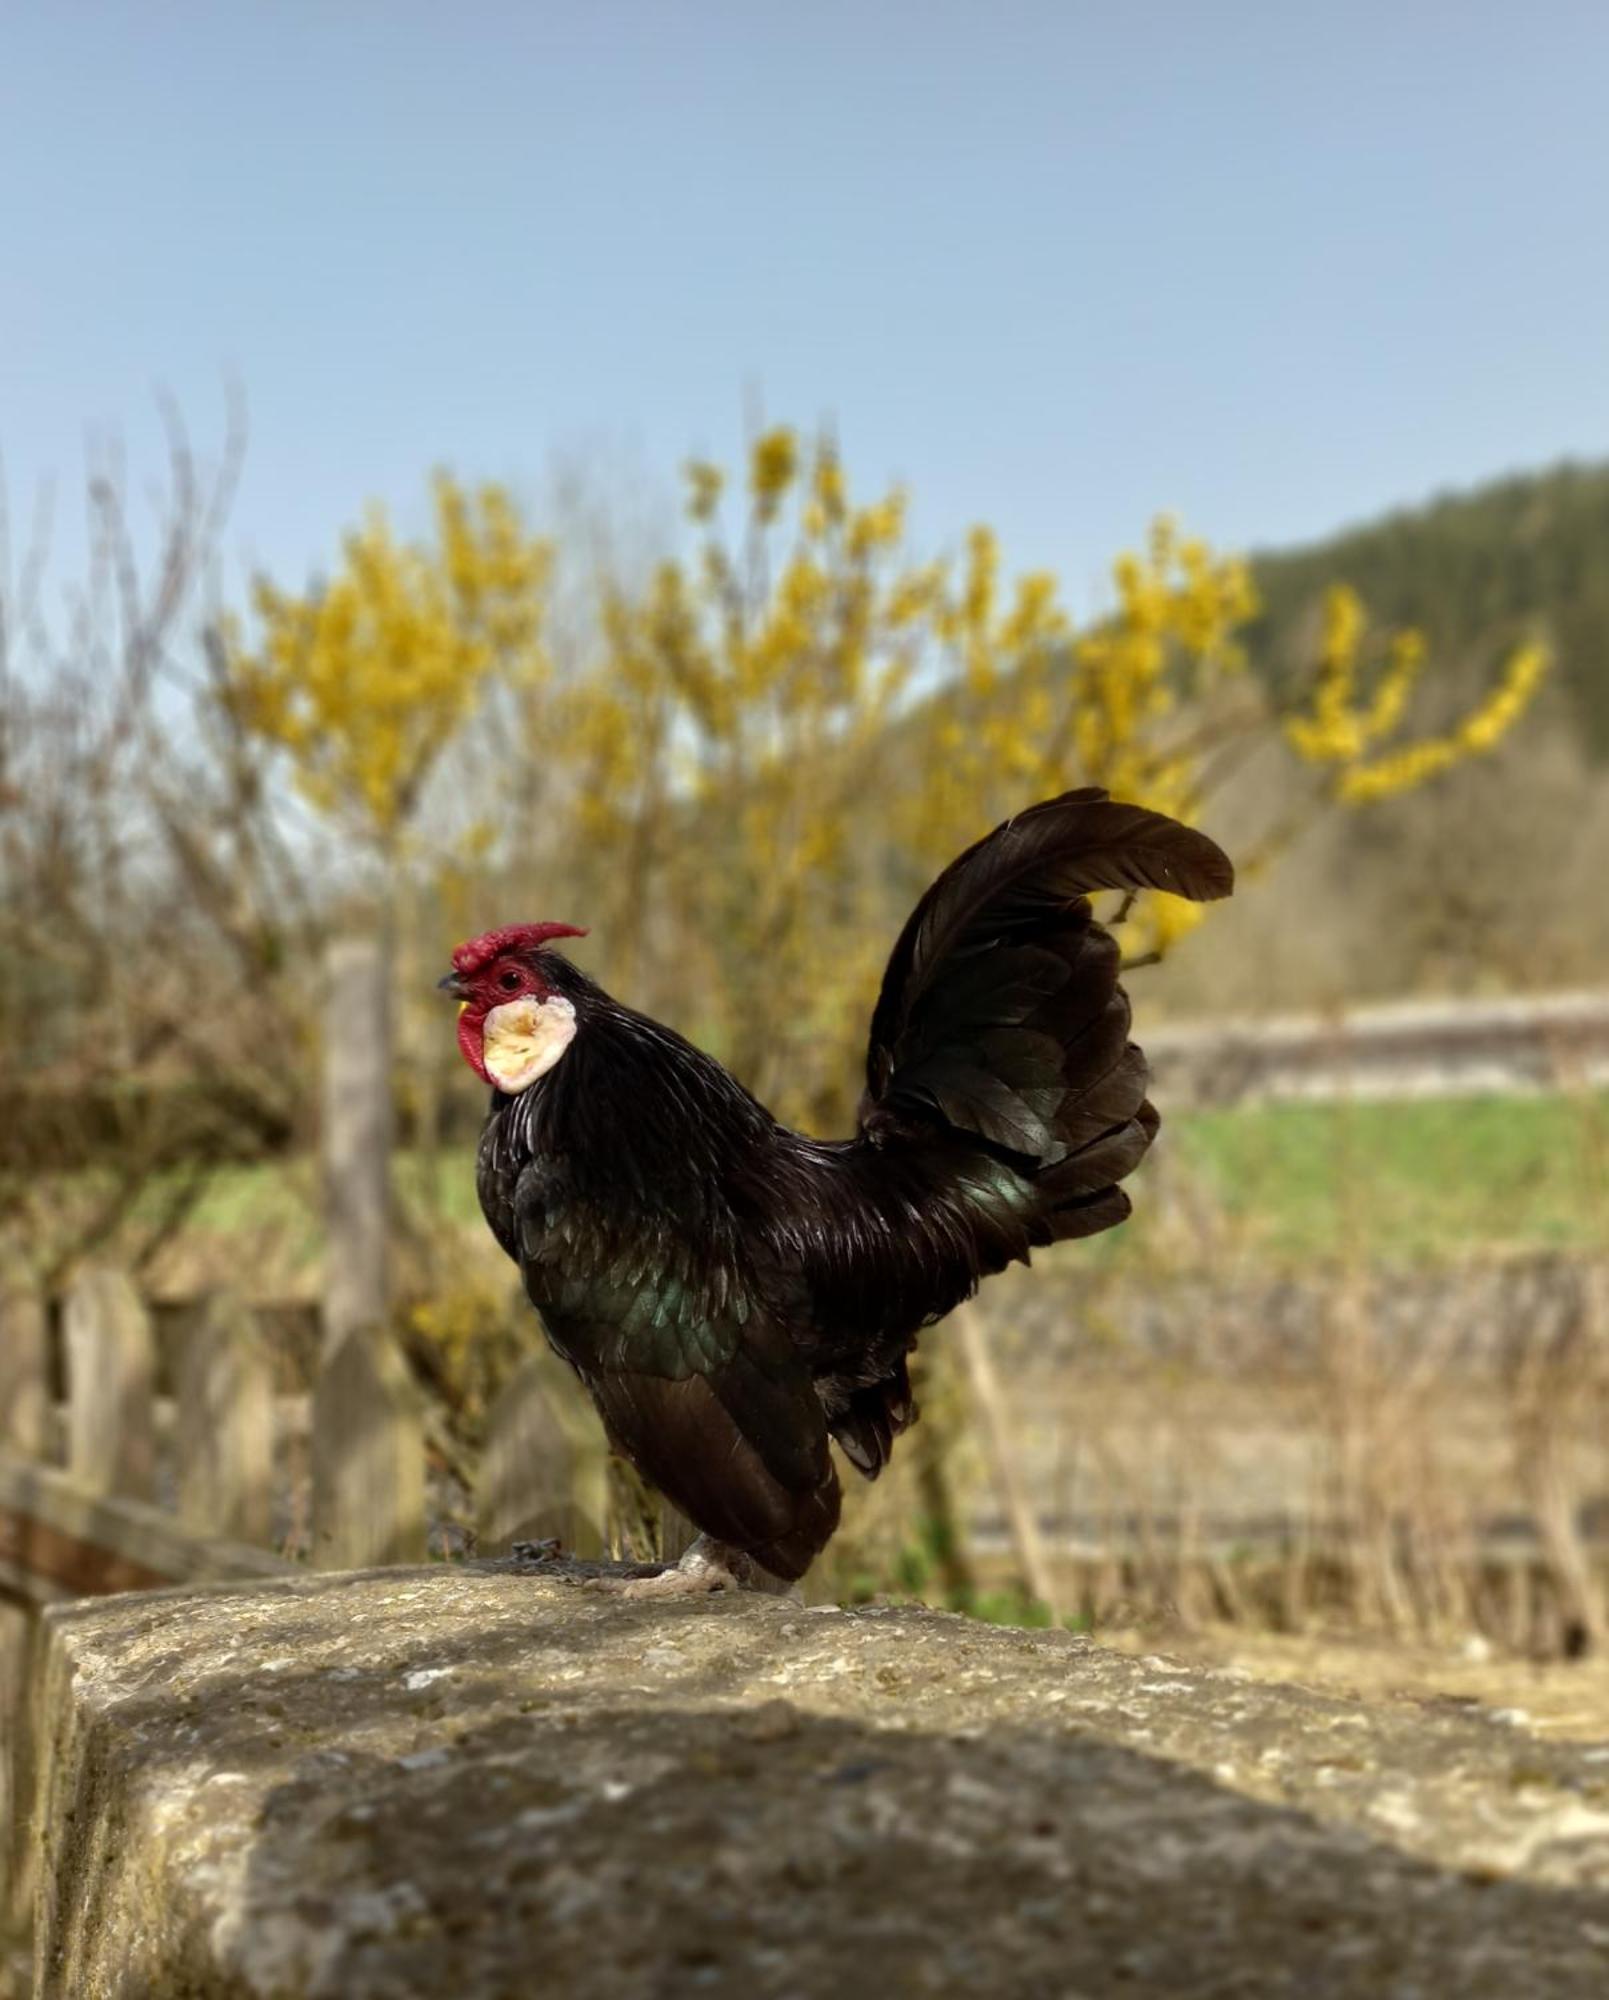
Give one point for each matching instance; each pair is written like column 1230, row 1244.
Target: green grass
column 1433, row 1180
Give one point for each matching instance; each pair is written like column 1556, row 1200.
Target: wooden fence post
column 24, row 1365
column 989, row 1401
column 111, row 1374
column 357, row 1136
column 24, row 1430
column 368, row 1457
column 19, row 1651
column 226, row 1426
column 544, row 1468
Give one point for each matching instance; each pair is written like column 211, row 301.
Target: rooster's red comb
column 479, row 952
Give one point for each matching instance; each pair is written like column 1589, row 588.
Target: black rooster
column 732, row 1293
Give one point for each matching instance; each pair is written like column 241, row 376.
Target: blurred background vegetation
column 739, row 758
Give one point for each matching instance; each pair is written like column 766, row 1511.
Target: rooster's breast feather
column 626, row 1184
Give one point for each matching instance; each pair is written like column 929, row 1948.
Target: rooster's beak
column 454, row 985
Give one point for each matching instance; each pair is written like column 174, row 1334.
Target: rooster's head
column 512, row 1024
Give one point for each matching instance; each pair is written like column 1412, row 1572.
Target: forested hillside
column 1474, row 571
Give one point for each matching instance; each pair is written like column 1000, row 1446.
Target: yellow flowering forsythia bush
column 365, row 681
column 768, row 747
column 1352, row 729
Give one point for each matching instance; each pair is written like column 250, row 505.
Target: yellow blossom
column 1346, row 726
column 773, row 466
column 363, row 682
column 705, row 483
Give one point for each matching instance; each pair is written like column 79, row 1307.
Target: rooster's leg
column 708, row 1565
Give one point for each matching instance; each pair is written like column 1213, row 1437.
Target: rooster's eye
column 509, row 981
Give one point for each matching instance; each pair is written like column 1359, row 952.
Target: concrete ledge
column 474, row 1782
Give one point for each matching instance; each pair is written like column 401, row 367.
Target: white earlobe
column 523, row 1039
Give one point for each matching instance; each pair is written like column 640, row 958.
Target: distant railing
column 1431, row 1048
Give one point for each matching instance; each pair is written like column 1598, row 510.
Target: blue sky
column 1056, row 266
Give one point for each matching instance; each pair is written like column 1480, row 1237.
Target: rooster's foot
column 707, row 1566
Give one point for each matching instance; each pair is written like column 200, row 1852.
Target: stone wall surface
column 476, row 1781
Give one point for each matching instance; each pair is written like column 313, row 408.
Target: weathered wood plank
column 60, row 1540
column 989, row 1401
column 544, row 1468
column 368, row 1457
column 356, row 1136
column 24, row 1364
column 226, row 1425
column 111, row 1380
column 19, row 1652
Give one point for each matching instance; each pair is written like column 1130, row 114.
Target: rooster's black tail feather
column 1001, row 1008
column 1004, row 1101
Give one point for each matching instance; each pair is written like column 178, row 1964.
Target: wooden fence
column 155, row 1468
